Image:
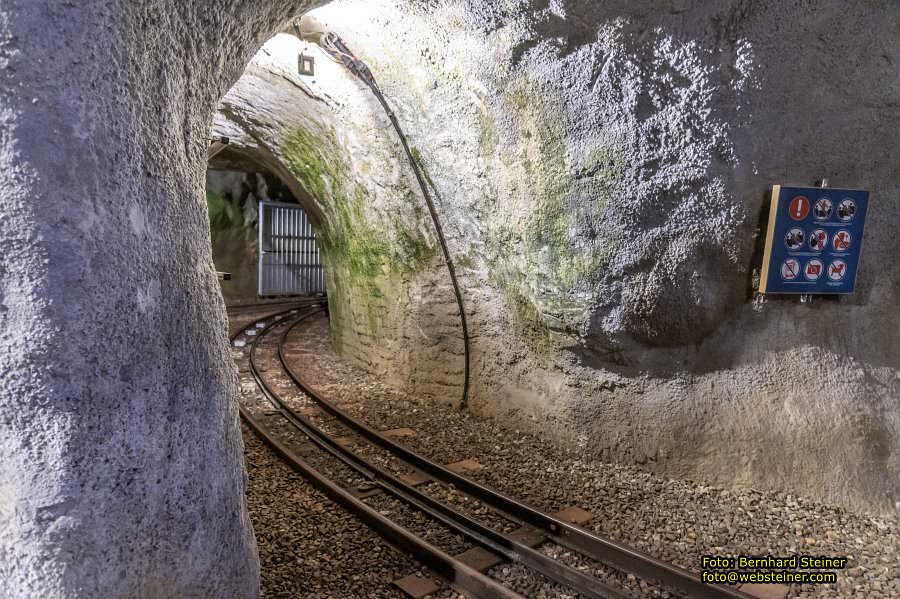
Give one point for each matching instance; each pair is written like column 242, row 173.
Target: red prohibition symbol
column 841, row 241
column 790, row 269
column 818, row 239
column 837, row 269
column 814, row 269
column 799, row 208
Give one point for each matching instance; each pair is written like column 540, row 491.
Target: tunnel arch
column 106, row 273
column 310, row 129
column 604, row 190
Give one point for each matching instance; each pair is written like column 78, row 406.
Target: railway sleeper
column 418, row 586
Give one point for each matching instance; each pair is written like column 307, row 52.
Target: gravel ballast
column 308, row 546
column 674, row 520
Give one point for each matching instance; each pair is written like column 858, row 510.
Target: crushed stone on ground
column 317, row 550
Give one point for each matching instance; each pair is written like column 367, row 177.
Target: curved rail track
column 281, row 426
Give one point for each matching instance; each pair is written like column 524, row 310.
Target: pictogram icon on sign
column 837, row 270
column 814, row 269
column 790, row 269
column 799, row 208
column 823, row 209
column 841, row 241
column 794, row 239
column 818, row 239
column 846, row 209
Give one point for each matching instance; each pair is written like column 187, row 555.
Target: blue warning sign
column 813, row 240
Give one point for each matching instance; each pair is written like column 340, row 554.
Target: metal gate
column 289, row 260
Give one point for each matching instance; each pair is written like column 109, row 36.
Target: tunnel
column 588, row 293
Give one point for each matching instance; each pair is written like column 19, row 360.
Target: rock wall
column 121, row 470
column 602, row 170
column 390, row 309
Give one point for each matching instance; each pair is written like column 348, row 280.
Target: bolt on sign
column 813, row 240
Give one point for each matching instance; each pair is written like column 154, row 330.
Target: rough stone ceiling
column 601, row 170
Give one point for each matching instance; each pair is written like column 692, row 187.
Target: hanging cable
column 335, row 47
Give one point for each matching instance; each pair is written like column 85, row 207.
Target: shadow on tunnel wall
column 735, row 342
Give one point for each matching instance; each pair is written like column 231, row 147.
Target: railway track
column 364, row 470
column 240, row 309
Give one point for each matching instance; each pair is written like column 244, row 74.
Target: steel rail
column 285, row 309
column 602, row 549
column 243, row 308
column 515, row 551
column 460, row 576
